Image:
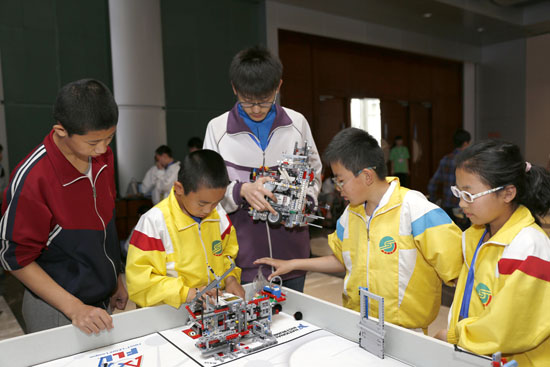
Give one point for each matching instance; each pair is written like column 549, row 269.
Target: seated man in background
column 160, row 178
column 175, row 243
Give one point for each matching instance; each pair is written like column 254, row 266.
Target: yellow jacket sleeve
column 231, row 248
column 516, row 320
column 146, row 271
column 336, row 239
column 336, row 246
column 439, row 241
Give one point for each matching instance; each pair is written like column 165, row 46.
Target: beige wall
column 537, row 115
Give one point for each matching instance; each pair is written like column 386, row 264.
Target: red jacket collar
column 64, row 170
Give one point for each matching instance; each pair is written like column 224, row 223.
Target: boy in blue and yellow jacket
column 175, row 244
column 389, row 239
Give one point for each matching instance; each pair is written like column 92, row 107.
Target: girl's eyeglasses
column 469, row 198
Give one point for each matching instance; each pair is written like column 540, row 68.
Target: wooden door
column 332, row 116
column 420, row 163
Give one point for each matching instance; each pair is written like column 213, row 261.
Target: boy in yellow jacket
column 175, row 243
column 389, row 239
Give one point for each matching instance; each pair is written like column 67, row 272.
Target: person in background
column 399, row 158
column 195, row 143
column 160, row 178
column 440, row 184
column 58, row 233
column 256, row 133
column 502, row 296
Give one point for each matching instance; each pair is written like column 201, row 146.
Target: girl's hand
column 281, row 266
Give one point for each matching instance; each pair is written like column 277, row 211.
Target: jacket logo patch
column 217, row 247
column 387, row 245
column 484, row 294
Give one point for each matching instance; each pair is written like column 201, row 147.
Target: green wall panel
column 199, row 40
column 28, row 66
column 84, row 40
column 45, row 44
column 29, row 124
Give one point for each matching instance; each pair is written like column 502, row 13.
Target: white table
column 151, row 328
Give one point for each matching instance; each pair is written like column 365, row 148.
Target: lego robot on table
column 222, row 325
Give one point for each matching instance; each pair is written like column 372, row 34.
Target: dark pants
column 39, row 315
column 297, row 283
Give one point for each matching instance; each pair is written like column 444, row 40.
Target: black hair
column 460, row 137
column 203, row 169
column 255, row 72
column 500, row 163
column 164, row 149
column 395, row 139
column 85, row 105
column 194, row 142
column 1, row 148
column 356, row 149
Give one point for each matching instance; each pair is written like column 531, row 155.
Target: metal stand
column 371, row 333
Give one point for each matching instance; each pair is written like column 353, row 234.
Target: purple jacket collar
column 235, row 123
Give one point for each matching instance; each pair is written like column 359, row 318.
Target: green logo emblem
column 217, row 247
column 387, row 245
column 484, row 294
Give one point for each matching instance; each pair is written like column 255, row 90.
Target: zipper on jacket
column 103, row 223
column 205, row 254
column 367, row 224
column 374, row 214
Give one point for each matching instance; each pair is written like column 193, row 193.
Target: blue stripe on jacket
column 433, row 218
column 340, row 230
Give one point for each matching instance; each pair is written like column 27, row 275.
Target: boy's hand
column 194, row 291
column 281, row 266
column 91, row 319
column 255, row 193
column 232, row 286
column 120, row 297
column 441, row 335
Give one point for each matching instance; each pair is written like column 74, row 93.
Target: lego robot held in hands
column 289, row 186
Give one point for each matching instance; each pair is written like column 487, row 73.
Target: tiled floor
column 9, row 327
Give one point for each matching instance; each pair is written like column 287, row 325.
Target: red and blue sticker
column 387, row 245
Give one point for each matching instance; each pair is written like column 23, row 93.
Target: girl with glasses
column 503, row 291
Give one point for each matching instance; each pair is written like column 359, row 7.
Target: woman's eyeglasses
column 469, row 198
